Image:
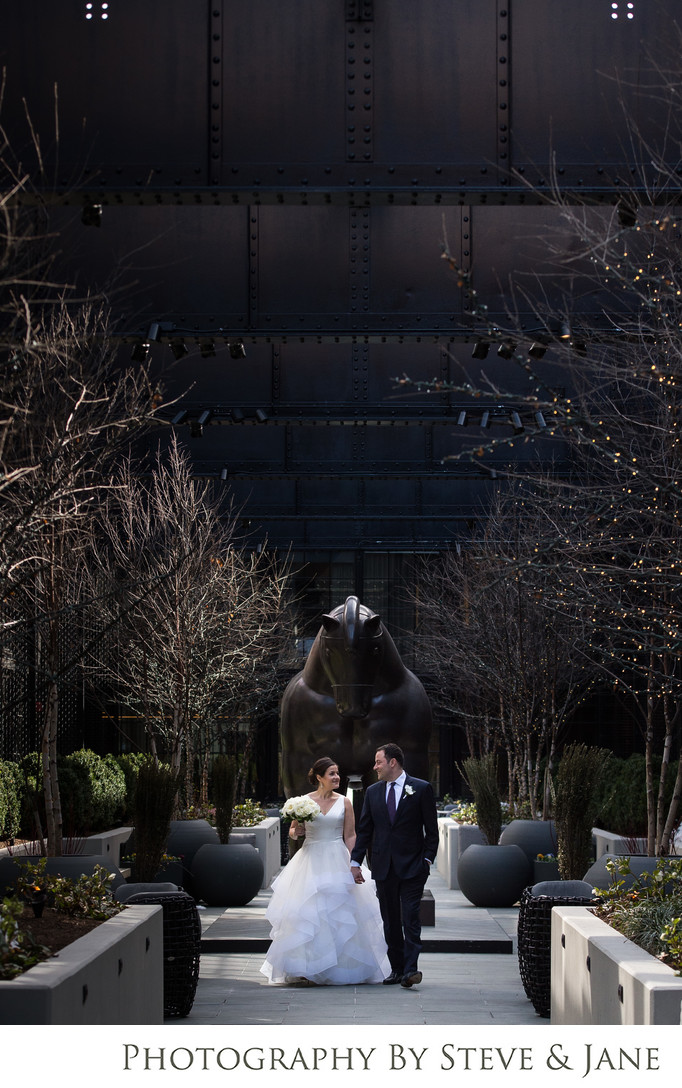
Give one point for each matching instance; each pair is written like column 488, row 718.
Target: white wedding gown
column 325, row 927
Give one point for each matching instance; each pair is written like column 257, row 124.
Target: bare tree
column 75, row 409
column 608, row 304
column 198, row 616
column 514, row 673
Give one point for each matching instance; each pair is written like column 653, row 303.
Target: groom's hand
column 357, row 874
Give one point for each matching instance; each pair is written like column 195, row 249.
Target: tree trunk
column 48, row 752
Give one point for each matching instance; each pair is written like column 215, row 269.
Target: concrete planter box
column 607, row 842
column 600, row 977
column 112, row 975
column 267, row 844
column 453, row 839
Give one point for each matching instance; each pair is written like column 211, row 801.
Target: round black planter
column 184, row 839
column 598, row 876
column 533, row 836
column 226, row 875
column 493, row 876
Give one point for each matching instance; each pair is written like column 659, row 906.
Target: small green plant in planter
column 18, row 950
column 248, row 814
column 648, row 911
column 88, row 897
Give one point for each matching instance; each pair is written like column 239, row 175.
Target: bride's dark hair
column 320, row 766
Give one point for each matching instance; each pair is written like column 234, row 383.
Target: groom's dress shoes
column 394, row 978
column 411, row 980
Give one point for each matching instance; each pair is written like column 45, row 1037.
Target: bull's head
column 351, row 651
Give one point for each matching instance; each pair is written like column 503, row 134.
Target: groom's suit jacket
column 411, row 838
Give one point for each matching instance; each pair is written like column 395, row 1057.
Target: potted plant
column 576, row 805
column 226, row 874
column 155, row 792
column 490, row 875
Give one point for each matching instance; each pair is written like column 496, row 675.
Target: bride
column 326, row 929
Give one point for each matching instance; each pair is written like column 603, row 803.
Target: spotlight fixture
column 223, row 474
column 516, row 422
column 180, row 417
column 91, row 216
column 627, row 213
column 237, row 415
column 506, row 349
column 481, row 349
column 140, row 352
column 179, row 348
column 540, row 420
column 461, row 419
column 205, row 417
column 537, row 349
column 237, row 349
column 564, row 331
column 195, row 428
column 154, row 331
column 207, row 348
column 261, row 415
column 485, row 419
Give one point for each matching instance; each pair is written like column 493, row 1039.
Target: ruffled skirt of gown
column 325, row 927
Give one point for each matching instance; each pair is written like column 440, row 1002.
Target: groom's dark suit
column 399, row 853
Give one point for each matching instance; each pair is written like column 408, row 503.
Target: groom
column 399, row 822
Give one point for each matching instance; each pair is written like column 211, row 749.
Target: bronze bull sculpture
column 353, row 694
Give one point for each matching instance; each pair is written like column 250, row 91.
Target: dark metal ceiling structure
column 267, row 191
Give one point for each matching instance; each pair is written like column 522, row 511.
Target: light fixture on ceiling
column 180, row 417
column 481, row 349
column 506, row 349
column 140, row 351
column 516, row 422
column 540, row 420
column 205, row 417
column 237, row 415
column 207, row 348
column 195, row 428
column 261, row 415
column 462, row 418
column 237, row 349
column 627, row 212
column 564, row 331
column 179, row 348
column 485, row 418
column 91, row 216
column 537, row 349
column 223, row 474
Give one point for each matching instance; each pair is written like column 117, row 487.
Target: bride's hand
column 297, row 830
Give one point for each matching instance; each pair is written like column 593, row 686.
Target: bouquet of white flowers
column 300, row 808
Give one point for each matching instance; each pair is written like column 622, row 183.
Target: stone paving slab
column 469, row 963
column 459, row 926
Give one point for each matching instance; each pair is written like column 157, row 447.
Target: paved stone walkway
column 469, row 964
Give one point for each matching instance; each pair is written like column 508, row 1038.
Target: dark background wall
column 288, row 176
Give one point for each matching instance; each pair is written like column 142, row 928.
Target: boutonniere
column 409, row 790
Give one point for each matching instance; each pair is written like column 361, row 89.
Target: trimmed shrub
column 480, row 776
column 155, row 794
column 576, row 804
column 223, row 782
column 623, row 795
column 94, row 799
column 11, row 791
column 130, row 763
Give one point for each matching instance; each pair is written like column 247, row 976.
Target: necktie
column 391, row 802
